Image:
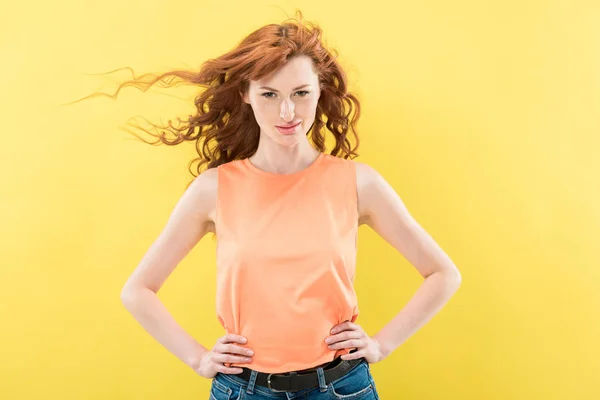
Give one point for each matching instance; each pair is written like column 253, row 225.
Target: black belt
column 294, row 381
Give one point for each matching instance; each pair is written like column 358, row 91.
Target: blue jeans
column 357, row 384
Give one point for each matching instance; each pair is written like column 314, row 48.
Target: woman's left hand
column 349, row 335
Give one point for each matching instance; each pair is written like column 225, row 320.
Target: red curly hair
column 224, row 127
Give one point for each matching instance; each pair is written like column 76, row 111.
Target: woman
column 286, row 216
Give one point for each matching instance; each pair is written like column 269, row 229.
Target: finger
column 235, row 349
column 226, row 370
column 353, row 326
column 228, row 358
column 353, row 356
column 346, row 335
column 346, row 325
column 347, row 344
column 232, row 338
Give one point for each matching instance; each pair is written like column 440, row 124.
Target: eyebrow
column 275, row 90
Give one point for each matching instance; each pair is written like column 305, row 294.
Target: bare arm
column 190, row 220
column 381, row 208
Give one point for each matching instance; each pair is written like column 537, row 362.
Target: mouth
column 287, row 129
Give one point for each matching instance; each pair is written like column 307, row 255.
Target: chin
column 285, row 140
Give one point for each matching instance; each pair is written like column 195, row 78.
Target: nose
column 286, row 111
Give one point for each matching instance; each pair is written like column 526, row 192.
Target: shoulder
column 369, row 184
column 366, row 175
column 205, row 182
column 202, row 191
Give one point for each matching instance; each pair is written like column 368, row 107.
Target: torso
column 286, row 246
column 361, row 182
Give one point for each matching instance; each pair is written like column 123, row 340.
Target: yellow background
column 482, row 115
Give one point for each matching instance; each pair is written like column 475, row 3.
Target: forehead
column 297, row 71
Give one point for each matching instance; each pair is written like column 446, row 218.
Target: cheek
column 261, row 111
column 306, row 108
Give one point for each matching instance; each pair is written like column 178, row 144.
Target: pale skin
column 379, row 207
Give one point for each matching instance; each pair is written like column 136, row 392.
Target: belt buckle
column 269, row 384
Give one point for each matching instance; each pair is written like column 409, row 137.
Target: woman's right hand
column 224, row 351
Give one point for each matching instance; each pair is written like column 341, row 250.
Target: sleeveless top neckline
column 248, row 164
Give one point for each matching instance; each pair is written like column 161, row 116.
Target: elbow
column 455, row 280
column 133, row 291
column 129, row 294
column 452, row 280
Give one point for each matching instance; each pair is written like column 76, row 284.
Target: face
column 287, row 96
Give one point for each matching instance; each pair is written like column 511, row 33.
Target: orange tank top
column 286, row 256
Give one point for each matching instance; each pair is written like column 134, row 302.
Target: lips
column 289, row 130
column 287, row 126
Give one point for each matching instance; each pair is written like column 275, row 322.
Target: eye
column 267, row 94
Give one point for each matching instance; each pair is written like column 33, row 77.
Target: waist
column 291, row 361
column 329, row 364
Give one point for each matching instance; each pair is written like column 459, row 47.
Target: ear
column 244, row 97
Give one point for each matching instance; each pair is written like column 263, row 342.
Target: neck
column 275, row 158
